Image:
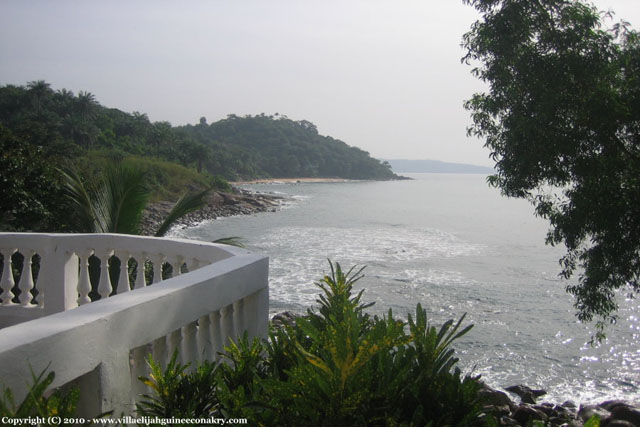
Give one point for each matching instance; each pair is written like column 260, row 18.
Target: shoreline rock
column 498, row 404
column 219, row 204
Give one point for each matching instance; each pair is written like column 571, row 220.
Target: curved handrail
column 105, row 343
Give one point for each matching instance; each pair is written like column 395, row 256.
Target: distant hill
column 66, row 127
column 435, row 166
column 264, row 146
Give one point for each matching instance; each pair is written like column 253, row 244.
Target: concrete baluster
column 84, row 284
column 205, row 347
column 256, row 313
column 226, row 324
column 43, row 277
column 177, row 265
column 139, row 368
column 141, row 280
column 104, row 287
column 7, row 282
column 216, row 334
column 157, row 260
column 195, row 264
column 173, row 342
column 160, row 351
column 26, row 278
column 189, row 346
column 123, row 278
column 113, row 384
column 238, row 318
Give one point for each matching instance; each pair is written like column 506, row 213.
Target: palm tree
column 161, row 134
column 64, row 100
column 86, row 104
column 116, row 201
column 201, row 153
column 39, row 89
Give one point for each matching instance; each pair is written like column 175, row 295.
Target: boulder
column 619, row 423
column 527, row 394
column 627, row 413
column 609, row 405
column 525, row 414
column 285, row 318
column 495, row 398
column 589, row 411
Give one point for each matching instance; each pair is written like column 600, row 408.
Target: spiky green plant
column 36, row 403
column 341, row 366
column 177, row 393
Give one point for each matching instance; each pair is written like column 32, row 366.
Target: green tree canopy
column 561, row 117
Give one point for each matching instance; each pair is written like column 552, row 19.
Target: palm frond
column 232, row 241
column 185, row 205
column 126, row 196
column 79, row 195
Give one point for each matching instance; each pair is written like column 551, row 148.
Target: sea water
column 455, row 245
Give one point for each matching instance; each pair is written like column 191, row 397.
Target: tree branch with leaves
column 561, row 117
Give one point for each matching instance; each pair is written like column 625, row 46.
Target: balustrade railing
column 215, row 293
column 62, row 271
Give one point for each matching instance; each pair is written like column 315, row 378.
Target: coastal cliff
column 219, row 204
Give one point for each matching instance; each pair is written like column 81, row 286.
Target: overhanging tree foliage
column 561, row 117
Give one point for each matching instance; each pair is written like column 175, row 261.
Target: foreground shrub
column 37, row 403
column 342, row 366
column 177, row 393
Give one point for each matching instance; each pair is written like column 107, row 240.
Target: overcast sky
column 381, row 75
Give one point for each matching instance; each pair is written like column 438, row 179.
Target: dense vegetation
column 275, row 146
column 562, row 112
column 42, row 130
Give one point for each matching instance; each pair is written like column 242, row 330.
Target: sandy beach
column 290, row 180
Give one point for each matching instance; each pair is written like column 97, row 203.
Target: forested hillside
column 275, row 146
column 63, row 125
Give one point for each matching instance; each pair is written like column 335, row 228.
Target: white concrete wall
column 102, row 345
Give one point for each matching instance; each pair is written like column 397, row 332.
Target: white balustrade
column 67, row 286
column 7, row 283
column 102, row 346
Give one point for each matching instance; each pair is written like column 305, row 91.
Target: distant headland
column 435, row 166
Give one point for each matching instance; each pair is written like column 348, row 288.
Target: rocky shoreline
column 219, row 204
column 507, row 412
